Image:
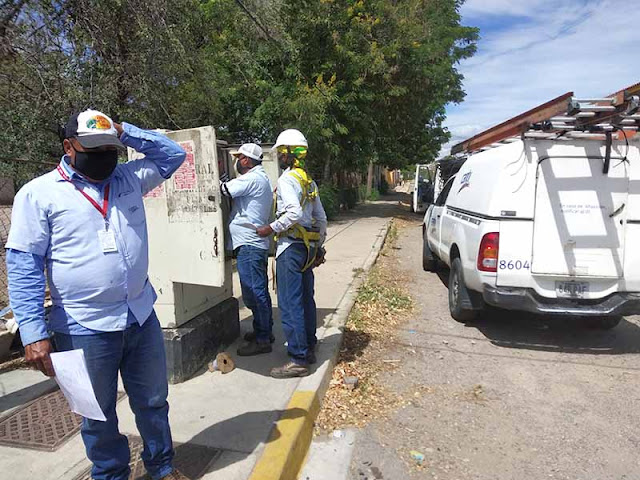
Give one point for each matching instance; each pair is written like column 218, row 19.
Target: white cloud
column 505, row 7
column 588, row 47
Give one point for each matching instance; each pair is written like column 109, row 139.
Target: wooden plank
column 515, row 125
column 622, row 95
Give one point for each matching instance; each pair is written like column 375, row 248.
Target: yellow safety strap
column 309, row 193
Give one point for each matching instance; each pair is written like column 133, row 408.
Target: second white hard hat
column 292, row 138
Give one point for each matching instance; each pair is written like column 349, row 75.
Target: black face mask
column 96, row 165
column 285, row 160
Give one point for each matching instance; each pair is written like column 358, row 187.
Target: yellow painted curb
column 289, row 441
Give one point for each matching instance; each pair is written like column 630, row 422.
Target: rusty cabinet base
column 190, row 346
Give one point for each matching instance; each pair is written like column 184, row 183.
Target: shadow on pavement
column 353, row 344
column 520, row 330
column 394, row 204
column 523, row 330
column 262, row 364
column 247, row 428
column 26, row 394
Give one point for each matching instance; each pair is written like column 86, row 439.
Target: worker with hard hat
column 252, row 205
column 300, row 228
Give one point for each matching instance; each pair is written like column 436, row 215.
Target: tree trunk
column 326, row 172
column 369, row 179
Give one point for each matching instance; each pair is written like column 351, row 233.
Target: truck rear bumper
column 525, row 299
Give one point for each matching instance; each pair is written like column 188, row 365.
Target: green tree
column 365, row 80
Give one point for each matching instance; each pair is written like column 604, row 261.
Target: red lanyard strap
column 104, row 209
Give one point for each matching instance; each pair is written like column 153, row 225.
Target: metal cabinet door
column 185, row 216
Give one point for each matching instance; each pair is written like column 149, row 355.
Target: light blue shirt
column 98, row 291
column 252, row 205
column 290, row 211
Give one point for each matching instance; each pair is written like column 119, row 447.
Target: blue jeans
column 296, row 302
column 138, row 353
column 252, row 268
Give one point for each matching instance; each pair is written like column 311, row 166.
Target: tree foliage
column 364, row 80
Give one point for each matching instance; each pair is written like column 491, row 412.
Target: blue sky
column 531, row 51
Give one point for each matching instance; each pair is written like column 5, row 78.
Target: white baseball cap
column 250, row 150
column 93, row 129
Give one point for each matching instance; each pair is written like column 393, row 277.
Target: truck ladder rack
column 564, row 116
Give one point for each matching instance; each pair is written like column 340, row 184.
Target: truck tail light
column 488, row 254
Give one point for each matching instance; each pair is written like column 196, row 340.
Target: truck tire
column 602, row 323
column 429, row 260
column 459, row 297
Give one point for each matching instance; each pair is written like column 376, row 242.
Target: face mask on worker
column 240, row 170
column 291, row 157
column 96, row 165
column 283, row 161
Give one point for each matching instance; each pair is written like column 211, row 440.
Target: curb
column 289, row 441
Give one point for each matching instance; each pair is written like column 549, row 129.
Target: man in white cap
column 85, row 223
column 252, row 205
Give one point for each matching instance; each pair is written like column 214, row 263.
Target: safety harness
column 297, row 231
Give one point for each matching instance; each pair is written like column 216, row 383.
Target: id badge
column 107, row 241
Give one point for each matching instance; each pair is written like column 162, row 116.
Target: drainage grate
column 44, row 424
column 191, row 460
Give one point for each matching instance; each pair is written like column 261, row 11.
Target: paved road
column 509, row 397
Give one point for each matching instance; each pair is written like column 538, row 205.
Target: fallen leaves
column 382, row 301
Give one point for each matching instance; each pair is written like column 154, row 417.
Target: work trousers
column 138, row 354
column 296, row 302
column 254, row 283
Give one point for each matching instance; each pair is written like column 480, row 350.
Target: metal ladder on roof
column 565, row 117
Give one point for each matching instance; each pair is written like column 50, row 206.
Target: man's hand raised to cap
column 118, row 128
column 37, row 354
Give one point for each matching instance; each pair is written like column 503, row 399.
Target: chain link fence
column 7, row 190
column 13, row 174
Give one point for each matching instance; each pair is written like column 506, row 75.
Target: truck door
column 580, row 217
column 185, row 217
column 437, row 216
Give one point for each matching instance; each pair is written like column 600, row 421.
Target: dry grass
column 381, row 304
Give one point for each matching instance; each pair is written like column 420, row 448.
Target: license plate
column 571, row 289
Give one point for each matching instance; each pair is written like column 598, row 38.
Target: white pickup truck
column 541, row 225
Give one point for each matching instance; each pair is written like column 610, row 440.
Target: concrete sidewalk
column 232, row 415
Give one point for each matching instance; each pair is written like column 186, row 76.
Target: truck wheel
column 429, row 260
column 602, row 323
column 459, row 299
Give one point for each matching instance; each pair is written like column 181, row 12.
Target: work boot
column 175, row 475
column 290, row 370
column 251, row 337
column 254, row 348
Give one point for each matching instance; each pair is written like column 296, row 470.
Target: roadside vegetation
column 356, row 394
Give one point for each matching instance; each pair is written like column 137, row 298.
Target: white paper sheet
column 73, row 378
column 248, row 225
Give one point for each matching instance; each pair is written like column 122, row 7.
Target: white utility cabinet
column 185, row 222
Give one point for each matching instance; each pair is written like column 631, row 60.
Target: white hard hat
column 291, row 138
column 250, row 150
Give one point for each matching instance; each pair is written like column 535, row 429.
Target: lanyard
column 104, row 209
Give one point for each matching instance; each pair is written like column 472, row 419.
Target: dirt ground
column 511, row 396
